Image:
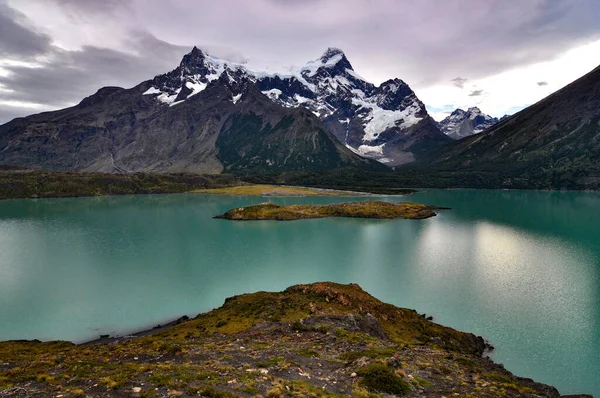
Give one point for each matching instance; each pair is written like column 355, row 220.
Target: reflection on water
column 520, row 268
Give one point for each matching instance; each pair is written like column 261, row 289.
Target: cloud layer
column 55, row 52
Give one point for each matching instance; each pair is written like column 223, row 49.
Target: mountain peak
column 462, row 123
column 194, row 57
column 332, row 62
column 196, row 50
column 394, row 84
column 458, row 111
column 330, row 53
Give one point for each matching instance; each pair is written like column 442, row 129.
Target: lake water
column 520, row 268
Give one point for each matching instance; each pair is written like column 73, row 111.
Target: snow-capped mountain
column 461, row 124
column 206, row 116
column 386, row 122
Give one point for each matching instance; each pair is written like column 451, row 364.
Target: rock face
column 388, row 123
column 554, row 143
column 199, row 121
column 461, row 124
column 209, row 115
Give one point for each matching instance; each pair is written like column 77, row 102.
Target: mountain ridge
column 171, row 123
column 460, row 124
column 386, row 122
column 123, row 130
column 554, row 143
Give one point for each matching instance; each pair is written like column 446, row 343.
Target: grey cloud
column 224, row 52
column 435, row 41
column 8, row 113
column 459, row 82
column 79, row 8
column 69, row 76
column 424, row 43
column 66, row 77
column 16, row 39
column 476, row 93
column 542, row 83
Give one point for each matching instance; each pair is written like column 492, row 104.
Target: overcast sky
column 500, row 55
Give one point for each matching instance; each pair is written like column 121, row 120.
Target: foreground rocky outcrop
column 322, row 339
column 368, row 209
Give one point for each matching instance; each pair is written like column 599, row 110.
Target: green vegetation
column 368, row 209
column 46, row 184
column 368, row 347
column 380, row 378
column 344, row 179
column 256, row 144
column 308, row 353
column 270, row 362
column 270, row 190
column 544, row 174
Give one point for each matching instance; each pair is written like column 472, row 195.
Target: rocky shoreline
column 322, row 339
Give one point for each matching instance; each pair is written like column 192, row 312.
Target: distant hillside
column 554, row 143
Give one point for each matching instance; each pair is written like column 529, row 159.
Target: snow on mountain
column 461, row 124
column 381, row 122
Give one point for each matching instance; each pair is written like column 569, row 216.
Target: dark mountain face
column 229, row 125
column 460, row 124
column 206, row 114
column 554, row 143
column 388, row 123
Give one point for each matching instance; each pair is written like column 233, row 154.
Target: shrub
column 380, row 378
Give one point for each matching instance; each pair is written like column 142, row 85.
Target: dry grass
column 368, row 209
column 271, row 190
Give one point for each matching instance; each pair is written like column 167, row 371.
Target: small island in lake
column 367, row 209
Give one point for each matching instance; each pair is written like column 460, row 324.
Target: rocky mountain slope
column 320, row 340
column 554, row 143
column 223, row 124
column 210, row 115
column 387, row 123
column 460, row 124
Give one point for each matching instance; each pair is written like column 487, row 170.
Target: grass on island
column 271, row 190
column 293, row 343
column 368, row 209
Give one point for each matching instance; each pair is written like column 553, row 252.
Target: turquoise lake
column 520, row 268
